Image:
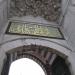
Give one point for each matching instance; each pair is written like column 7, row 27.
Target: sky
column 25, row 66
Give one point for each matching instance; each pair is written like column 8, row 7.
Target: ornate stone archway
column 41, row 49
column 35, row 49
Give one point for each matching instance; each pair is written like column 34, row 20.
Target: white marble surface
column 3, row 15
column 34, row 19
column 69, row 27
column 73, row 2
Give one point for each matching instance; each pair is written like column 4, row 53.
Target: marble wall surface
column 69, row 27
column 3, row 14
column 48, row 9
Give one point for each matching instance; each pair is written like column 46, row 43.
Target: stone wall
column 48, row 9
column 69, row 32
column 3, row 14
column 69, row 26
column 3, row 20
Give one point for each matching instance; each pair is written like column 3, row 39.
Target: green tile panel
column 34, row 29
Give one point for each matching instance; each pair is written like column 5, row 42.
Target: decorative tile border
column 34, row 29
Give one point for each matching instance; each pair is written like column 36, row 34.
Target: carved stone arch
column 9, row 45
column 41, row 52
column 35, row 44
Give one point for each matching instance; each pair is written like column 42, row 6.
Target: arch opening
column 25, row 66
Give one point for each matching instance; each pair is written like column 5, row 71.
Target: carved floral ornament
column 48, row 9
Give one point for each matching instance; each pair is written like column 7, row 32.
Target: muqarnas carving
column 48, row 9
